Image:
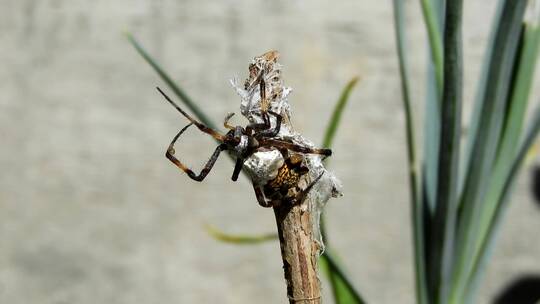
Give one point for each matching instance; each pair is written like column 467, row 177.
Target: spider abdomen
column 286, row 176
column 285, row 184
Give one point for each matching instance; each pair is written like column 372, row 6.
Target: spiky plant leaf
column 417, row 206
column 433, row 25
column 508, row 151
column 335, row 119
column 487, row 139
column 501, row 206
column 339, row 290
column 444, row 221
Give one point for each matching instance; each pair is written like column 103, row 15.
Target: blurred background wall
column 92, row 212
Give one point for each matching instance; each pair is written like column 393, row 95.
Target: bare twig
column 300, row 254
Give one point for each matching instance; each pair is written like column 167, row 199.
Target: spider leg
column 299, row 197
column 260, row 197
column 264, row 129
column 199, row 125
column 262, row 90
column 261, row 126
column 272, row 132
column 237, row 168
column 170, row 155
column 263, row 101
column 294, row 147
column 266, row 125
column 226, row 121
column 254, row 127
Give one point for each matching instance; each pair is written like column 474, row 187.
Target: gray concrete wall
column 91, row 211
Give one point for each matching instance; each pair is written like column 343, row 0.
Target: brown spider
column 243, row 142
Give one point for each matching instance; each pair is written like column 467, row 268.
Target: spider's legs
column 260, row 197
column 260, row 126
column 237, row 168
column 299, row 197
column 272, row 132
column 294, row 147
column 264, row 129
column 199, row 125
column 252, row 128
column 264, row 101
column 170, row 155
column 226, row 121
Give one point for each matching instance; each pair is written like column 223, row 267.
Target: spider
column 243, row 142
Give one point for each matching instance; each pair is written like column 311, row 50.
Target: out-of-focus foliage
column 459, row 200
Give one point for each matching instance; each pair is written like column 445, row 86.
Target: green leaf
column 503, row 202
column 336, row 114
column 327, row 143
column 472, row 129
column 417, row 207
column 506, row 158
column 239, row 239
column 444, row 221
column 335, row 120
column 168, row 80
column 432, row 116
column 432, row 129
column 344, row 292
column 487, row 139
column 433, row 22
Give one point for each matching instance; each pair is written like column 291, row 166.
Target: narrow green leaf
column 472, row 129
column 432, row 130
column 328, row 139
column 522, row 81
column 444, row 222
column 502, row 204
column 168, row 80
column 432, row 21
column 344, row 292
column 417, row 207
column 486, row 141
column 336, row 114
column 432, row 119
column 239, row 239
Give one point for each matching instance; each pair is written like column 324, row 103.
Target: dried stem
column 300, row 254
